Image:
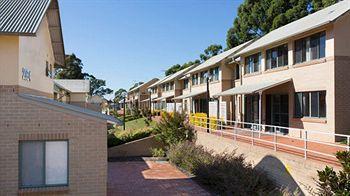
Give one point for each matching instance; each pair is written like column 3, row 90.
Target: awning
column 145, row 100
column 252, row 88
column 163, row 98
column 192, row 94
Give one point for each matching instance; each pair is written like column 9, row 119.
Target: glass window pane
column 322, row 45
column 298, row 105
column 314, row 104
column 306, row 104
column 322, row 104
column 56, row 162
column 32, row 163
column 314, row 47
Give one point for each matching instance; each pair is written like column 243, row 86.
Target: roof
column 217, row 58
column 74, row 86
column 178, row 74
column 162, row 98
column 192, row 94
column 312, row 21
column 159, row 81
column 51, row 102
column 144, row 84
column 252, row 88
column 23, row 17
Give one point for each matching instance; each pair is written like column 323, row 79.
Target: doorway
column 277, row 111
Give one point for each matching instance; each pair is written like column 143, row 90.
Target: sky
column 128, row 41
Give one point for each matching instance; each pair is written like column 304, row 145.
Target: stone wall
column 289, row 171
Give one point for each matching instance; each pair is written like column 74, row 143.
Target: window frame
column 277, row 50
column 249, row 63
column 215, row 74
column 45, row 185
column 186, row 83
column 310, row 103
column 306, row 49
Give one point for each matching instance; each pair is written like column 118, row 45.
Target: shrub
column 224, row 174
column 200, row 119
column 332, row 183
column 158, row 152
column 116, row 138
column 173, row 128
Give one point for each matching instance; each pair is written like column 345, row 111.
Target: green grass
column 135, row 125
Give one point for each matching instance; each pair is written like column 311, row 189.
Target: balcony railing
column 307, row 143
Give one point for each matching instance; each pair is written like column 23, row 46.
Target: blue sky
column 136, row 40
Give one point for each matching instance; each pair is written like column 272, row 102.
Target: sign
column 223, row 112
column 213, row 109
column 179, row 107
column 26, row 74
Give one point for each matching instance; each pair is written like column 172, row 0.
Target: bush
column 200, row 120
column 116, row 139
column 173, row 128
column 332, row 183
column 224, row 174
column 158, row 152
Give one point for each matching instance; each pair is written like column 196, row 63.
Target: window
column 43, row 163
column 167, row 87
column 195, row 79
column 310, row 104
column 186, row 83
column 310, row 48
column 277, row 57
column 171, row 86
column 237, row 72
column 47, row 70
column 214, row 73
column 252, row 63
column 202, row 78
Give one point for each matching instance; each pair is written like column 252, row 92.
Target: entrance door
column 277, row 111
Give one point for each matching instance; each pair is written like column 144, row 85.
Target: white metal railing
column 273, row 135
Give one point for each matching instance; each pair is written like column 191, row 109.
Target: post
column 305, row 144
column 150, row 102
column 208, row 97
column 348, row 143
column 124, row 115
column 275, row 139
column 260, row 93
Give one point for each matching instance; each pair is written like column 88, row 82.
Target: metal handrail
column 261, row 129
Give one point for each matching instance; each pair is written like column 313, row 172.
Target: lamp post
column 208, row 77
column 150, row 102
column 124, row 98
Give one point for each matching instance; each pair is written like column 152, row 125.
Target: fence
column 302, row 142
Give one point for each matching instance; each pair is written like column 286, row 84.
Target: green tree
column 73, row 68
column 98, row 86
column 118, row 95
column 211, row 51
column 255, row 18
column 173, row 69
column 135, row 85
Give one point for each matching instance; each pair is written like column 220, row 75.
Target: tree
column 211, row 51
column 255, row 18
column 97, row 86
column 135, row 85
column 173, row 69
column 118, row 95
column 72, row 70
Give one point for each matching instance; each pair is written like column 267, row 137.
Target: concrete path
column 149, row 178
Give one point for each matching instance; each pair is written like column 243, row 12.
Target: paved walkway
column 149, row 178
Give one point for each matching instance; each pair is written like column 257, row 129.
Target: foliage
column 175, row 68
column 173, row 128
column 211, row 51
column 224, row 174
column 158, row 152
column 258, row 17
column 136, row 84
column 122, row 137
column 200, row 120
column 118, row 95
column 333, row 183
column 74, row 70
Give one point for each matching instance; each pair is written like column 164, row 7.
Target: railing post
column 221, row 127
column 348, row 143
column 305, row 144
column 234, row 134
column 275, row 139
column 253, row 136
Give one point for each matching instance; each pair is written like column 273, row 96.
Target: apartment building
column 166, row 90
column 139, row 96
column 46, row 146
column 297, row 75
column 219, row 71
column 75, row 92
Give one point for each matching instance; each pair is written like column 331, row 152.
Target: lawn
column 135, row 125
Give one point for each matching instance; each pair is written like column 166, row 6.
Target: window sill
column 276, row 69
column 311, row 120
column 312, row 62
column 251, row 74
column 57, row 189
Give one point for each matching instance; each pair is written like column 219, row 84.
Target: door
column 277, row 107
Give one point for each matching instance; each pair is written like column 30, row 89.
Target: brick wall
column 22, row 119
column 290, row 171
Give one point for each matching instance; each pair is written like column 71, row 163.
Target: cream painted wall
column 78, row 97
column 34, row 51
column 9, row 60
column 342, row 38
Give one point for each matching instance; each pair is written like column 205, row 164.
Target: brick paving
column 140, row 177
